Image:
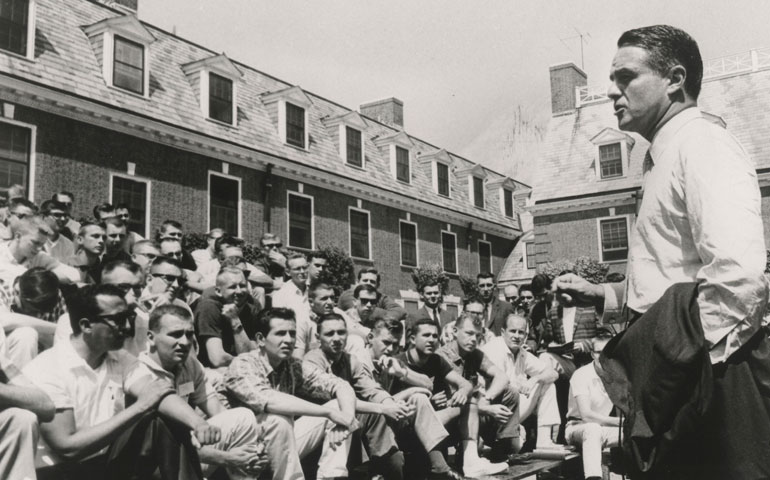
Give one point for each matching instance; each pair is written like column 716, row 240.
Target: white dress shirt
column 700, row 221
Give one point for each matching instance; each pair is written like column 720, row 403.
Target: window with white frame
column 402, row 164
column 128, row 65
column 478, row 192
column 408, row 236
column 224, row 203
column 442, row 179
column 220, row 98
column 485, row 257
column 610, row 160
column 15, row 147
column 295, row 125
column 449, row 251
column 17, row 30
column 360, row 238
column 135, row 194
column 354, row 147
column 613, row 240
column 300, row 210
column 529, row 254
column 508, row 202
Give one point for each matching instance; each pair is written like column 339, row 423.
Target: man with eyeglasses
column 72, row 227
column 165, row 284
column 58, row 246
column 95, row 432
column 364, row 304
column 369, row 276
column 273, row 261
column 294, row 295
column 172, row 248
column 143, row 253
column 496, row 310
column 18, row 209
column 173, row 229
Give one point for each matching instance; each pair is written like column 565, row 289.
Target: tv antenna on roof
column 583, row 40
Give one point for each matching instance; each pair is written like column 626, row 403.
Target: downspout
column 267, row 206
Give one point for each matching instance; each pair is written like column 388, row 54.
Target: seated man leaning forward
column 229, row 437
column 375, row 407
column 528, row 375
column 270, row 381
column 499, row 425
column 590, row 424
column 93, row 433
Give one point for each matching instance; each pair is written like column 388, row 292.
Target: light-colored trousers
column 288, row 440
column 592, row 438
column 239, row 427
column 542, row 401
column 18, row 440
column 22, row 345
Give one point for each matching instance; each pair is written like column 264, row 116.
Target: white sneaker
column 483, row 467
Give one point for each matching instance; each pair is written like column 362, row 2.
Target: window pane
column 508, row 200
column 354, row 150
column 478, row 192
column 408, row 244
column 359, row 234
column 14, row 155
column 13, row 25
column 220, row 98
column 442, row 177
column 530, row 250
column 300, row 222
column 449, row 248
column 614, row 239
column 128, row 71
column 402, row 164
column 610, row 161
column 223, row 204
column 485, row 257
column 295, row 125
column 133, row 194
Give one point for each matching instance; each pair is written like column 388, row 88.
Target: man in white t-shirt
column 589, row 421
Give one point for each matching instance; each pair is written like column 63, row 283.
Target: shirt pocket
column 115, row 394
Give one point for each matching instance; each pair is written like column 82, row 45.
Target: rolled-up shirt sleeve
column 246, row 380
column 317, row 384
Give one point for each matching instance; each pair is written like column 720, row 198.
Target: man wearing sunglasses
column 165, row 284
column 94, row 434
column 58, row 246
column 67, row 199
column 172, row 248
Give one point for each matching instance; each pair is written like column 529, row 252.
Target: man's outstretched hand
column 582, row 292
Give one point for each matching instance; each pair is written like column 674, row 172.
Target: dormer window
column 121, row 45
column 508, row 202
column 500, row 192
column 399, row 147
column 612, row 148
column 476, row 177
column 478, row 192
column 348, row 130
column 17, row 27
column 291, row 115
column 442, row 179
column 128, row 65
column 354, row 147
column 215, row 81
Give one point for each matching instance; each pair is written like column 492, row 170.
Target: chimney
column 127, row 6
column 564, row 79
column 389, row 111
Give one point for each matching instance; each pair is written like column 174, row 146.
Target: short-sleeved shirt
column 210, row 323
column 10, row 268
column 94, row 395
column 585, row 381
column 516, row 367
column 189, row 382
column 468, row 366
column 436, row 367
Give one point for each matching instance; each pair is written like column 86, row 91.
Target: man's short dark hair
column 363, row 288
column 527, row 287
column 431, row 282
column 226, row 239
column 392, row 325
column 49, row 205
column 166, row 260
column 317, row 254
column 170, row 223
column 540, row 283
column 114, row 221
column 65, row 193
column 414, row 327
column 369, row 270
column 328, row 317
column 102, row 208
column 266, row 315
column 40, row 288
column 615, row 277
column 167, row 309
column 315, row 286
column 472, row 299
column 484, row 275
column 122, row 206
column 668, row 46
column 21, row 201
column 83, row 304
column 110, row 267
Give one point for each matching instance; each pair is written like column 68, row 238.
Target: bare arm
column 216, row 353
column 27, row 397
column 588, row 415
column 45, row 330
column 499, row 379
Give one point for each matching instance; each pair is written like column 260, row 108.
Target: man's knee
column 18, row 420
column 592, row 432
column 275, row 425
column 420, row 400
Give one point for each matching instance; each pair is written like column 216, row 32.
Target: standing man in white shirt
column 700, row 222
column 293, row 294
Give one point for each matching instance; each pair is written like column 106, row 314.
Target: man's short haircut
column 225, row 271
column 110, row 267
column 161, row 260
column 463, row 317
column 226, row 239
column 369, row 270
column 328, row 317
column 115, row 222
column 666, row 47
column 472, row 299
column 268, row 236
column 392, row 325
column 123, row 206
column 168, row 309
column 540, row 283
column 83, row 302
column 317, row 254
column 86, row 225
column 143, row 243
column 216, row 231
column 102, row 208
column 484, row 275
column 294, row 256
column 431, row 282
column 65, row 193
column 233, row 262
column 266, row 315
column 363, row 288
column 21, row 202
column 169, row 240
column 315, row 286
column 49, row 205
column 527, row 287
column 415, row 326
column 170, row 223
column 40, row 288
column 516, row 315
column 615, row 277
column 31, row 225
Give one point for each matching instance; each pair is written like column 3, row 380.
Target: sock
column 470, row 451
column 544, row 435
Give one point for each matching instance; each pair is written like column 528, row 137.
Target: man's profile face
column 92, row 239
column 316, row 267
column 369, row 279
column 31, row 243
column 173, row 340
column 112, row 325
column 323, row 301
column 638, row 93
column 144, row 255
column 431, row 296
column 279, row 342
column 486, row 288
column 298, row 271
column 171, row 249
column 425, row 338
column 365, row 304
column 383, row 343
column 515, row 333
column 333, row 335
column 116, row 237
column 467, row 335
column 233, row 288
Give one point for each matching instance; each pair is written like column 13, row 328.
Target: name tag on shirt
column 186, row 389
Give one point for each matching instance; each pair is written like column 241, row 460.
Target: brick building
column 96, row 102
column 589, row 178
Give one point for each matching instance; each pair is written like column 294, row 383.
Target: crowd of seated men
column 128, row 358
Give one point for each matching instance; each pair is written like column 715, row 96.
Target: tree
column 339, row 272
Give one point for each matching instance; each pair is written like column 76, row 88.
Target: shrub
column 585, row 267
column 429, row 273
column 470, row 286
column 340, row 272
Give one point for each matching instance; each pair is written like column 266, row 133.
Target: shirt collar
column 452, row 352
column 146, row 359
column 69, row 358
column 663, row 136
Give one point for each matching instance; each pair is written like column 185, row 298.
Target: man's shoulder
column 583, row 374
column 316, row 356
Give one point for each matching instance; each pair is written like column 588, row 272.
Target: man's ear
column 151, row 338
column 369, row 338
column 677, row 77
column 85, row 324
column 218, row 291
column 260, row 339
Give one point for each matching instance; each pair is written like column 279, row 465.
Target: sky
column 462, row 68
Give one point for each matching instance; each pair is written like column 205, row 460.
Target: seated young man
column 497, row 406
column 528, row 375
column 375, row 407
column 93, row 433
column 321, row 299
column 271, row 382
column 421, row 358
column 229, row 436
column 590, row 424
